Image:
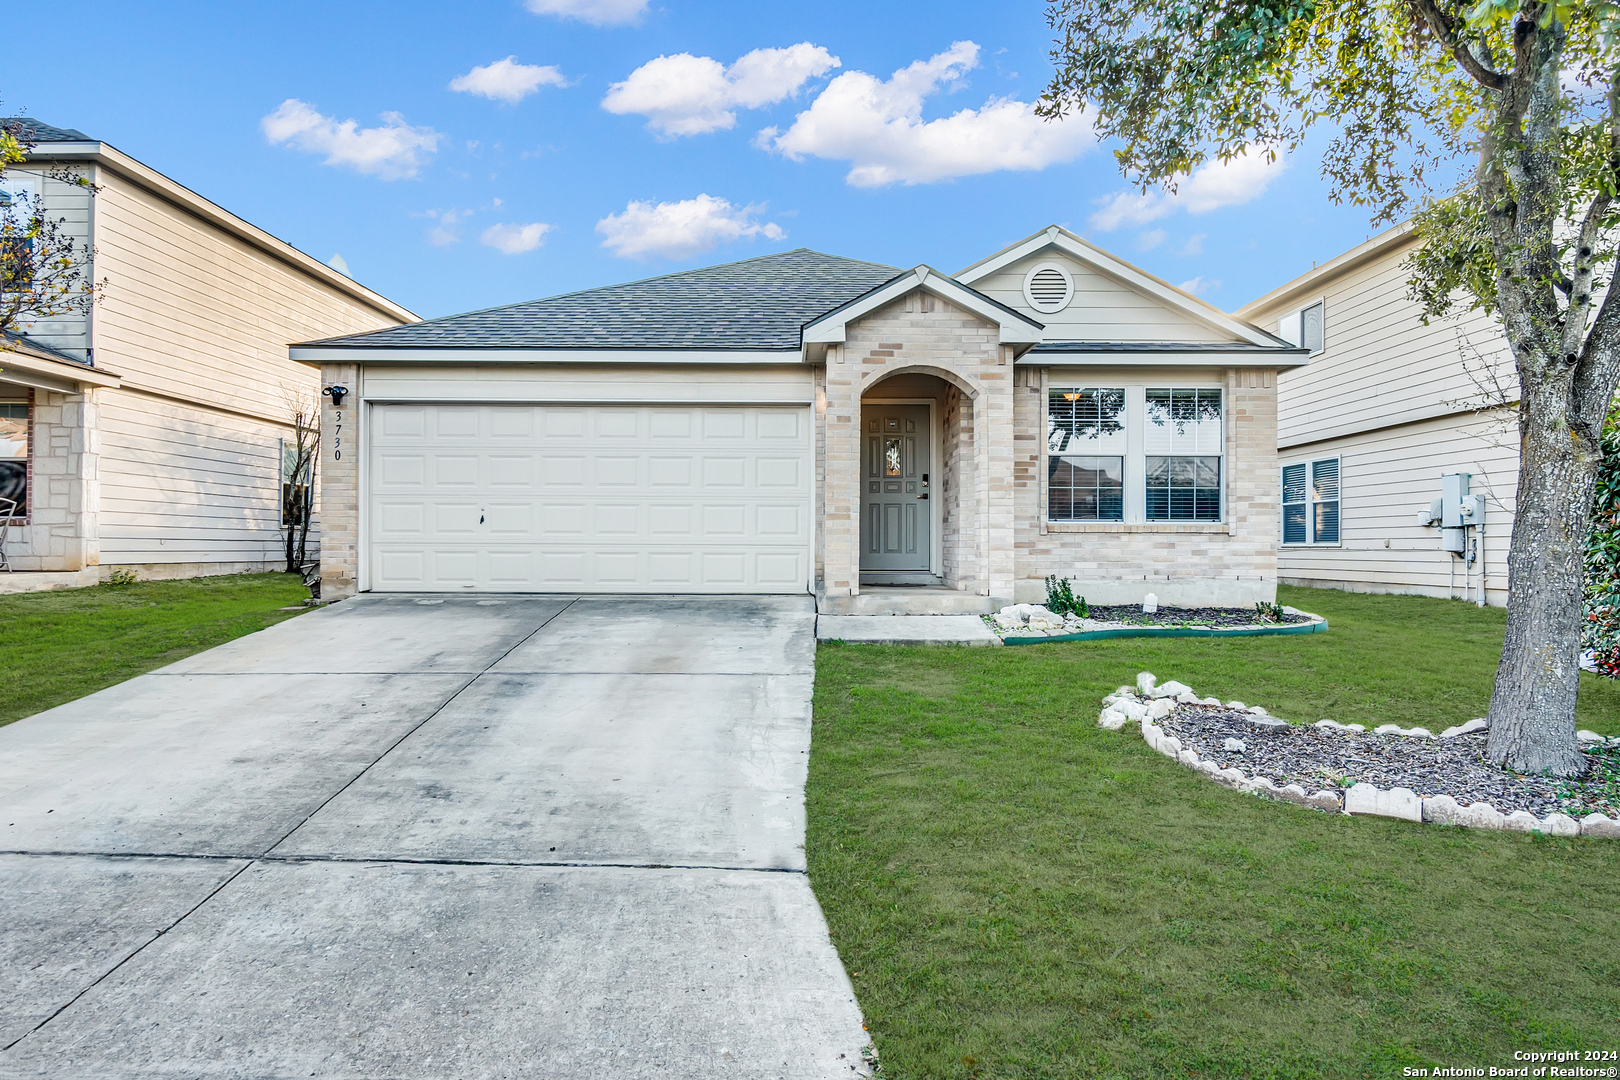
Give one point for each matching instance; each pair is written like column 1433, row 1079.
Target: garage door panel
column 619, row 498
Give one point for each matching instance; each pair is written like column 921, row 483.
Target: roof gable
column 1016, row 328
column 756, row 304
column 1109, row 294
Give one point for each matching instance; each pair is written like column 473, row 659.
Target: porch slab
column 910, row 600
column 906, row 629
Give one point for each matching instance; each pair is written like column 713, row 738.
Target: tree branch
column 1445, row 28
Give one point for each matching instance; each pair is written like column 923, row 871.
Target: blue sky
column 582, row 162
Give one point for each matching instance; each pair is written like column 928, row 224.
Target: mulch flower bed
column 1133, row 615
column 1318, row 758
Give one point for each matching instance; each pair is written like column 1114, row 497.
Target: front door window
column 896, row 508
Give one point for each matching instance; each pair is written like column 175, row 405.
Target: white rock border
column 1151, row 701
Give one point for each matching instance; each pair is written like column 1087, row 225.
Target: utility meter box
column 1453, row 490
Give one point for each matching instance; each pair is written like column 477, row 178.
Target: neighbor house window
column 1183, row 446
column 1085, row 443
column 295, row 488
column 13, row 459
column 1310, row 502
column 1305, row 327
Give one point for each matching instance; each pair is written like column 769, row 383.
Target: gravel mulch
column 1317, row 758
column 1129, row 615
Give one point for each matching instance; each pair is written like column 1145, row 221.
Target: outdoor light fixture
column 336, row 393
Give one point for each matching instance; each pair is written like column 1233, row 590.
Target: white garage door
column 514, row 498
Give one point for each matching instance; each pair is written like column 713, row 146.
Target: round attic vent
column 1048, row 288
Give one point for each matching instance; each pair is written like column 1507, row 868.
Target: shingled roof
column 758, row 303
column 28, row 129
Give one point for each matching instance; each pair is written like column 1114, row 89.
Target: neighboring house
column 147, row 434
column 887, row 439
column 1387, row 406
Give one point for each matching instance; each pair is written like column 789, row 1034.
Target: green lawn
column 1018, row 893
column 62, row 645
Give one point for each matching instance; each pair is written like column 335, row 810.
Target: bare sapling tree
column 1497, row 124
column 299, row 455
column 45, row 270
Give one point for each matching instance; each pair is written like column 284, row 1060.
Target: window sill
column 1307, row 547
column 1205, row 527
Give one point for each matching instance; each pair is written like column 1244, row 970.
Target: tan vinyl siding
column 1380, row 364
column 1102, row 309
column 201, row 315
column 197, row 322
column 71, row 205
column 1387, row 477
column 187, row 485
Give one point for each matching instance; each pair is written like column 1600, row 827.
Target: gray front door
column 896, row 512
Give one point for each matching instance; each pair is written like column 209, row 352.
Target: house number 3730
column 337, row 434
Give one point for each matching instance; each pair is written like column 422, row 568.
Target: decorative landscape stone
column 1032, row 624
column 1149, row 702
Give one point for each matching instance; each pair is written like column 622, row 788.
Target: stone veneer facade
column 63, row 525
column 996, row 542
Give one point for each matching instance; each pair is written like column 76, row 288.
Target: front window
column 1134, row 454
column 1085, row 442
column 13, row 460
column 1183, row 444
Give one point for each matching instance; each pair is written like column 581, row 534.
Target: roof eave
column 145, row 176
column 1390, row 239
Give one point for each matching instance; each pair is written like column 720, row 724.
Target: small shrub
column 121, row 577
column 1060, row 598
column 1600, row 630
column 1268, row 612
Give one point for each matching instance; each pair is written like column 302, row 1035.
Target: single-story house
column 886, row 439
column 1367, row 431
column 148, row 433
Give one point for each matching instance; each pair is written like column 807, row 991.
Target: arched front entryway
column 911, row 479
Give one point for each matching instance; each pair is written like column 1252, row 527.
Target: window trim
column 1310, row 502
column 1135, row 418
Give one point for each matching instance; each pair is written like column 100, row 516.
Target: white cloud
column 394, row 151
column 693, row 95
column 1200, row 286
column 516, row 239
column 1210, row 186
column 1150, row 239
column 676, row 230
column 340, row 264
column 878, row 127
column 1194, row 244
column 506, row 80
column 595, row 12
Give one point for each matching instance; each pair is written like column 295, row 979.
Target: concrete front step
column 899, row 600
column 906, row 629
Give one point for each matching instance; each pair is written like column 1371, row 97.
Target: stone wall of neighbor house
column 340, row 485
column 1229, row 563
column 63, row 518
column 921, row 332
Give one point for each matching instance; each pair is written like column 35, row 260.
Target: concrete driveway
column 430, row 837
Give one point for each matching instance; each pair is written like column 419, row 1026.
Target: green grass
column 58, row 646
column 1018, row 893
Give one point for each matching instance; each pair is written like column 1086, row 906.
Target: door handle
column 924, row 495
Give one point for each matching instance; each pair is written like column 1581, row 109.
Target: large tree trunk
column 1532, row 714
